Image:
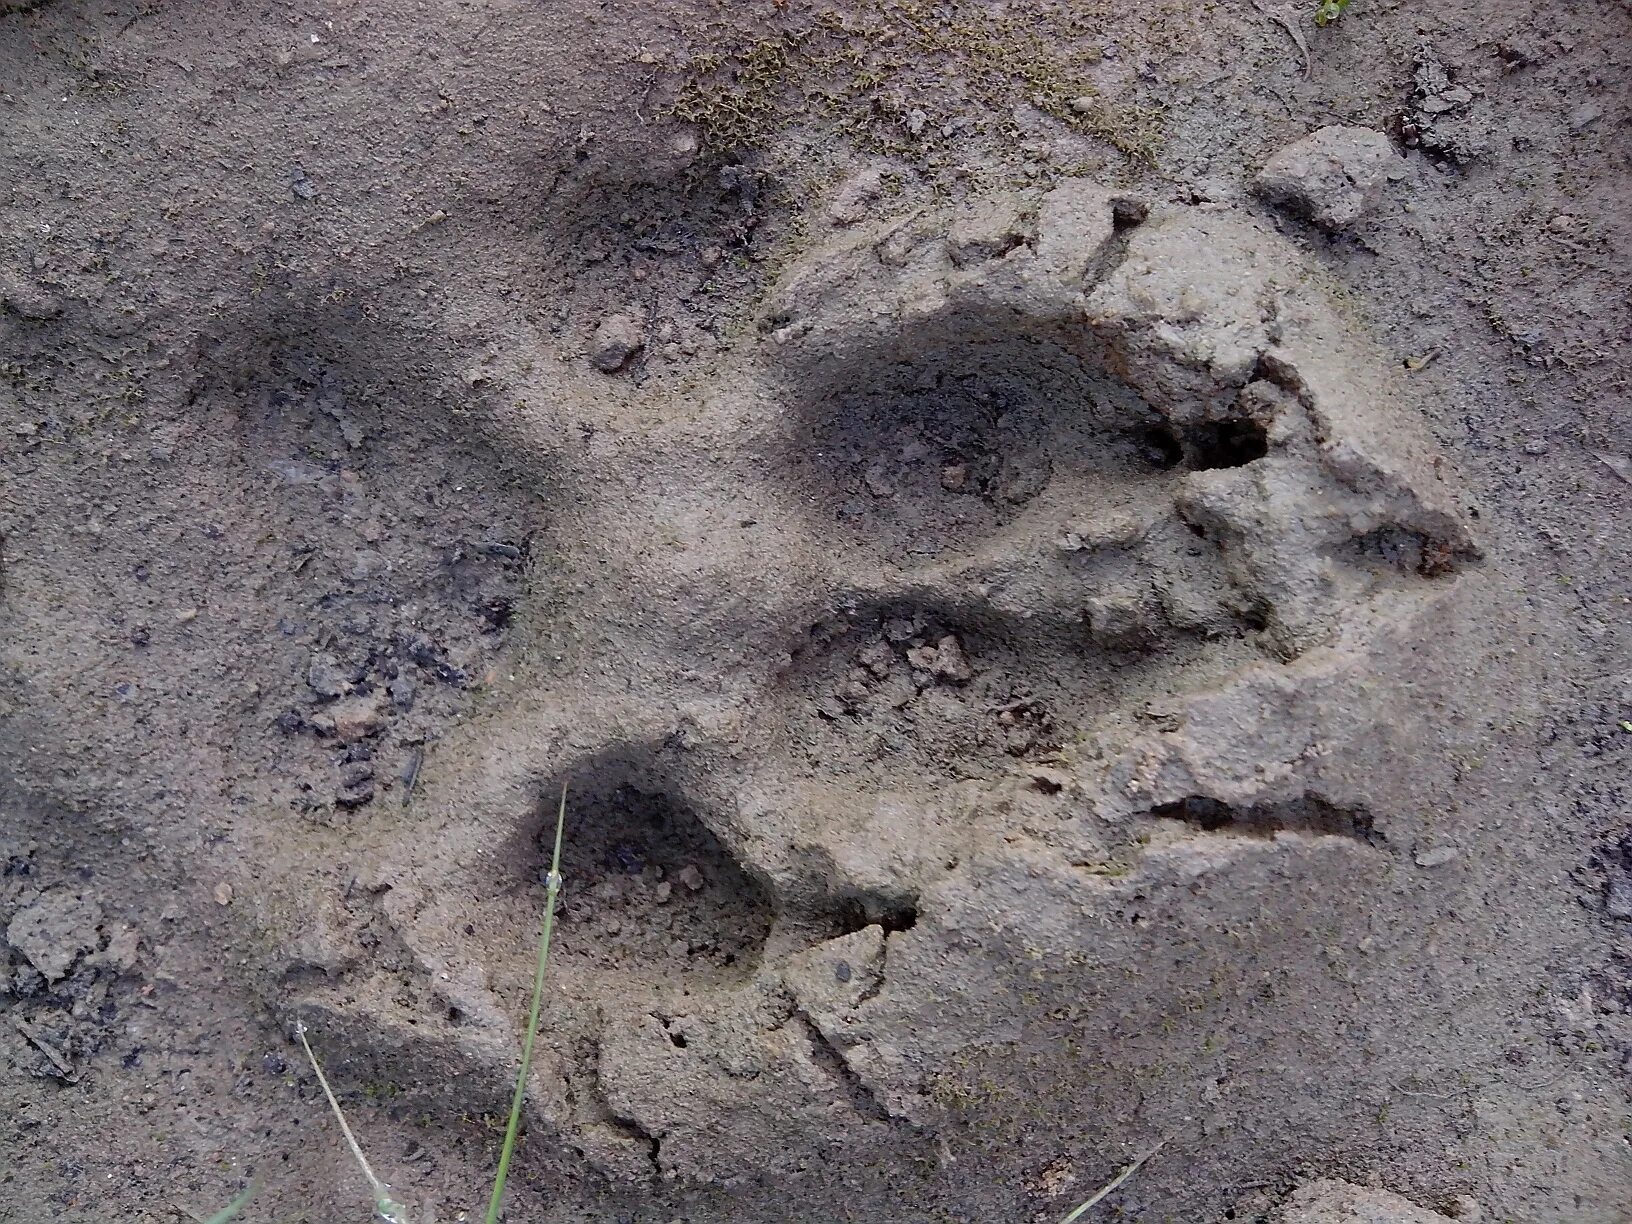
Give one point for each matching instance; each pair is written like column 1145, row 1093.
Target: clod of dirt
column 1444, row 118
column 1337, row 1202
column 26, row 301
column 616, row 340
column 1616, row 861
column 1584, row 116
column 945, row 659
column 1332, row 176
column 356, row 785
column 1437, row 857
column 402, row 691
column 1117, row 622
column 325, row 678
column 857, row 196
column 355, row 718
column 52, row 932
column 1618, row 897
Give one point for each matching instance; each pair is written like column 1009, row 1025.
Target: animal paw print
column 1095, row 515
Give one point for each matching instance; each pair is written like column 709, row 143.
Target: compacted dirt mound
column 1070, row 636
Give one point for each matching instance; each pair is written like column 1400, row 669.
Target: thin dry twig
column 385, row 1206
column 1116, row 1181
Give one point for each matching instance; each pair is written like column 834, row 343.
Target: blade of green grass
column 551, row 890
column 233, row 1208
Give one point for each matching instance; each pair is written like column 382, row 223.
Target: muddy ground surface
column 1058, row 643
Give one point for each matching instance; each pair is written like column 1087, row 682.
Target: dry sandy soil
column 1054, row 650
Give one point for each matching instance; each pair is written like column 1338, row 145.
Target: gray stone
column 1331, row 177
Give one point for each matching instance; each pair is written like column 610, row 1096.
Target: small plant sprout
column 552, row 889
column 231, row 1210
column 385, row 1207
column 1328, row 11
